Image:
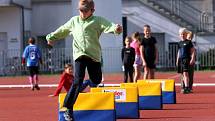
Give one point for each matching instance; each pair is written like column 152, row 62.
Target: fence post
column 197, row 55
column 50, row 60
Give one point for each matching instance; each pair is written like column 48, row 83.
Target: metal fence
column 55, row 59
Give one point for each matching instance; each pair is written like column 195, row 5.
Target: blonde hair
column 190, row 33
column 128, row 38
column 182, row 30
column 136, row 35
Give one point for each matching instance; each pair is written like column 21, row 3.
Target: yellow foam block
column 122, row 94
column 61, row 101
column 167, row 84
column 149, row 89
column 91, row 101
column 128, row 85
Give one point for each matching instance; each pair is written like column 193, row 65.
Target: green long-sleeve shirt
column 85, row 34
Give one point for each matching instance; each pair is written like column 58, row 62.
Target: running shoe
column 68, row 116
column 37, row 87
column 32, row 87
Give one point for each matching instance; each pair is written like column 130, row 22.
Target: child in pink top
column 138, row 62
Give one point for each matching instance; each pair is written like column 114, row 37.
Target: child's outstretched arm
column 59, row 88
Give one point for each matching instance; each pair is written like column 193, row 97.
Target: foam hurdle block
column 150, row 96
column 126, row 100
column 168, row 90
column 129, row 85
column 91, row 107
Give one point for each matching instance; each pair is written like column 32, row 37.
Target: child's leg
column 87, row 83
column 95, row 72
column 186, row 82
column 186, row 75
column 146, row 72
column 126, row 73
column 31, row 78
column 180, row 70
column 186, row 79
column 131, row 72
column 84, row 85
column 182, row 83
column 36, row 78
column 136, row 73
column 36, row 82
column 69, row 101
column 191, row 74
column 152, row 73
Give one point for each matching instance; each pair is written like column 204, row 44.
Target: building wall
column 10, row 23
column 25, row 3
column 27, row 19
column 48, row 16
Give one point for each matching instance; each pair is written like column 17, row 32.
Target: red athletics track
column 22, row 104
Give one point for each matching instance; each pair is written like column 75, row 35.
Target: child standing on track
column 33, row 56
column 66, row 80
column 189, row 36
column 185, row 58
column 138, row 62
column 128, row 57
column 86, row 30
column 149, row 53
column 192, row 65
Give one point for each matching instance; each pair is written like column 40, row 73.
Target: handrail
column 195, row 9
column 187, row 12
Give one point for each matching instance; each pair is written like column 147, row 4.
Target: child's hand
column 118, row 28
column 50, row 95
column 144, row 63
column 50, row 44
column 123, row 68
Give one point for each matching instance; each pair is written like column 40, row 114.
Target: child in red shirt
column 66, row 80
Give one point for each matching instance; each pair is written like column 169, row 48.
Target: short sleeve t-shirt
column 184, row 49
column 32, row 54
column 149, row 48
column 135, row 45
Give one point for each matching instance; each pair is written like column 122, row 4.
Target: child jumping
column 86, row 30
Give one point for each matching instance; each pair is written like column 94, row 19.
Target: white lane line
column 23, row 86
column 106, row 85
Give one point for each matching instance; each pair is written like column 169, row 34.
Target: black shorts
column 33, row 70
column 183, row 65
column 150, row 63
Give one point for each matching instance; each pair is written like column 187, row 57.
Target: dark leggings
column 95, row 74
column 191, row 75
column 129, row 70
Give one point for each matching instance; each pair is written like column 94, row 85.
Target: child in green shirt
column 86, row 30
